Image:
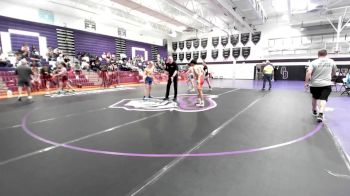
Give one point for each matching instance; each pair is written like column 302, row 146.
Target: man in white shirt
column 319, row 74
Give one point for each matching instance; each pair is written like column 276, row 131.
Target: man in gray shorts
column 319, row 74
column 23, row 73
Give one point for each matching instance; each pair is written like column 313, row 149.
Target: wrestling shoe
column 320, row 117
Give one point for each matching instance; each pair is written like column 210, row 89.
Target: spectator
column 23, row 73
column 45, row 72
column 25, row 50
column 319, row 74
column 36, row 81
column 268, row 72
column 3, row 59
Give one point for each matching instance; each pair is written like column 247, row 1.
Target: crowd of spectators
column 82, row 61
column 105, row 62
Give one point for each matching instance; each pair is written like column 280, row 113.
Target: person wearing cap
column 268, row 72
column 199, row 77
column 172, row 69
column 24, row 74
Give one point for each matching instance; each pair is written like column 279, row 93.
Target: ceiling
column 171, row 17
column 306, row 12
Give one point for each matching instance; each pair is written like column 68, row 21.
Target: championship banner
column 181, row 45
column 195, row 55
column 224, row 40
column 256, row 37
column 188, row 55
column 196, row 43
column 188, row 44
column 234, row 39
column 214, row 54
column 174, row 46
column 215, row 41
column 236, row 52
column 175, row 56
column 181, row 56
column 226, row 52
column 203, row 54
column 245, row 38
column 204, row 42
column 245, row 52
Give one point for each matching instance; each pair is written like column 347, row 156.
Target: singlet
column 149, row 72
column 198, row 71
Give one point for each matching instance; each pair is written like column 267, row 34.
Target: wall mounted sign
column 214, row 54
column 224, row 40
column 175, row 56
column 226, row 52
column 234, row 39
column 204, row 42
column 195, row 55
column 236, row 52
column 203, row 54
column 256, row 37
column 188, row 44
column 245, row 52
column 174, row 44
column 188, row 55
column 196, row 43
column 181, row 56
column 215, row 41
column 181, row 45
column 245, row 38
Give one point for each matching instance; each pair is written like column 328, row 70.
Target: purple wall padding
column 84, row 41
column 48, row 31
column 93, row 43
column 18, row 40
column 163, row 51
column 130, row 44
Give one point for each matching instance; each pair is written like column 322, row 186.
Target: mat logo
column 185, row 103
column 284, row 73
column 69, row 94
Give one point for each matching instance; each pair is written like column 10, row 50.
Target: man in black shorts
column 172, row 69
column 319, row 74
column 24, row 74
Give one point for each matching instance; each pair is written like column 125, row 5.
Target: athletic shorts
column 148, row 80
column 64, row 78
column 321, row 93
column 104, row 75
column 23, row 83
column 200, row 84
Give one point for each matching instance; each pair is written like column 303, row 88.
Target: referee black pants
column 168, row 87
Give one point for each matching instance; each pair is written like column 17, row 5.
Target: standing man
column 24, row 74
column 319, row 74
column 172, row 69
column 268, row 72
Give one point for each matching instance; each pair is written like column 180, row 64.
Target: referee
column 172, row 69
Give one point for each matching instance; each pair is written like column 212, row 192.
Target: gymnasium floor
column 246, row 142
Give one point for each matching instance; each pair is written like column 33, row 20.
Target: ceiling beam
column 143, row 9
column 234, row 14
